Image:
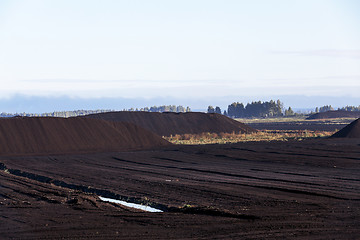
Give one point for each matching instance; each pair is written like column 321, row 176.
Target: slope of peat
column 166, row 124
column 350, row 131
column 46, row 135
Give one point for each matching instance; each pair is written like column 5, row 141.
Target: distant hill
column 350, row 131
column 40, row 135
column 166, row 124
column 335, row 114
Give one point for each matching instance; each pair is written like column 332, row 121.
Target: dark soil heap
column 350, row 131
column 40, row 135
column 166, row 124
column 334, row 114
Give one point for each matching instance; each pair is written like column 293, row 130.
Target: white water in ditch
column 132, row 205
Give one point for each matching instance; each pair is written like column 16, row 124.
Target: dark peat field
column 265, row 190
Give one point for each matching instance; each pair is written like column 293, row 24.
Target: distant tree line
column 235, row 110
column 330, row 108
column 4, row 115
column 211, row 109
column 350, row 108
column 164, row 108
column 254, row 109
column 324, row 108
column 76, row 113
column 268, row 109
column 64, row 114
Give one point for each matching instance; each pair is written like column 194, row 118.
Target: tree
column 153, row 109
column 289, row 112
column 256, row 109
column 210, row 109
column 326, row 108
column 236, row 110
column 180, row 109
column 217, row 110
column 280, row 106
column 350, row 108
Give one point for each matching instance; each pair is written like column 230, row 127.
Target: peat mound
column 334, row 114
column 350, row 131
column 167, row 123
column 40, row 135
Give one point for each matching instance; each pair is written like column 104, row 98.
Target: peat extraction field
column 179, row 120
column 253, row 190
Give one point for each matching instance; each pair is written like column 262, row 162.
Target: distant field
column 297, row 123
column 267, row 120
column 296, row 119
column 270, row 129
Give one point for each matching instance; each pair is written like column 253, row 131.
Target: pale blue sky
column 180, row 48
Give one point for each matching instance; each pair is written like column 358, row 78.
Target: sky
column 183, row 49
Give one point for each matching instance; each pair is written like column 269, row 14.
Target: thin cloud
column 354, row 53
column 345, row 79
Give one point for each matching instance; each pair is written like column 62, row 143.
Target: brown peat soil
column 169, row 123
column 49, row 135
column 254, row 190
column 350, row 131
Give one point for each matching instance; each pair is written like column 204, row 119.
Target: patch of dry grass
column 264, row 135
column 271, row 120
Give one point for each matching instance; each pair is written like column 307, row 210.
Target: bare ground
column 276, row 190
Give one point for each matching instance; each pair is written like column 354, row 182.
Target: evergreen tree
column 326, row 108
column 289, row 112
column 256, row 109
column 210, row 109
column 217, row 110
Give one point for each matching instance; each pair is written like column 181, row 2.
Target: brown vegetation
column 263, row 135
